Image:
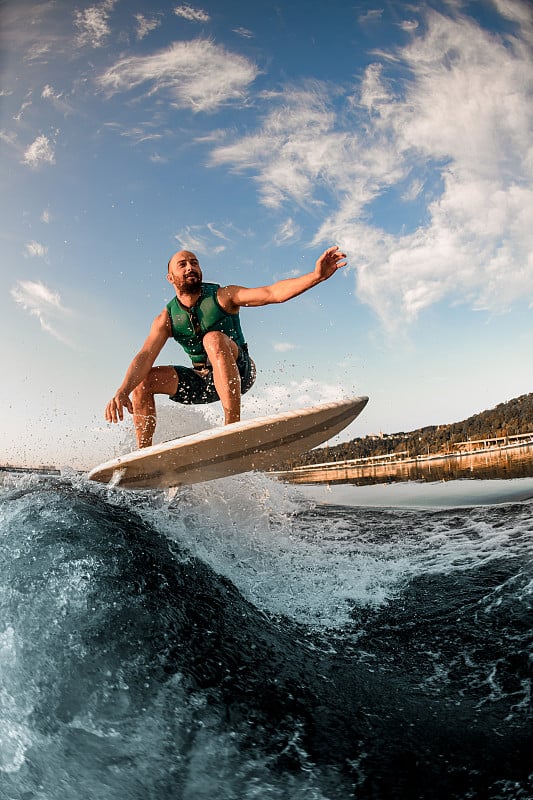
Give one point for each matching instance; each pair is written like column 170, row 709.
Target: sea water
column 246, row 639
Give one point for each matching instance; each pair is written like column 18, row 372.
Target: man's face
column 184, row 271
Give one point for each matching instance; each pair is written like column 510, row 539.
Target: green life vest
column 190, row 325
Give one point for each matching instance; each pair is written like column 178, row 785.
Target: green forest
column 506, row 419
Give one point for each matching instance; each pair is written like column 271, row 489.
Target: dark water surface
column 241, row 640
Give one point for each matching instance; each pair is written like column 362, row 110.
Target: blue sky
column 256, row 135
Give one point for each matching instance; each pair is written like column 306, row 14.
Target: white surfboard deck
column 257, row 444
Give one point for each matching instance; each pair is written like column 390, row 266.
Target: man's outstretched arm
column 233, row 297
column 139, row 368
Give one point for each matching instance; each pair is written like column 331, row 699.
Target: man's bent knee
column 219, row 342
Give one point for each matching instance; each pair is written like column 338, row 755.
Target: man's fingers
column 111, row 412
column 332, row 259
column 115, row 409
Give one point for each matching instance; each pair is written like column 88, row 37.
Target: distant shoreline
column 44, row 470
column 397, row 460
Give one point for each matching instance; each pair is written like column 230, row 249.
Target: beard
column 192, row 281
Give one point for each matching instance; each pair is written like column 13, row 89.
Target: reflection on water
column 495, row 464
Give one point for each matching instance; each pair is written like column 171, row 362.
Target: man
column 204, row 319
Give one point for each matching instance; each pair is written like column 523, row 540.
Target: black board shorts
column 196, row 386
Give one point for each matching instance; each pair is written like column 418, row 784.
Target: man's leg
column 223, row 353
column 160, row 380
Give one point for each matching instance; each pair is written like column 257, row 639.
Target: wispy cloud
column 288, row 231
column 146, row 25
column 141, row 133
column 202, row 239
column 372, row 16
column 209, row 239
column 192, row 14
column 296, row 149
column 49, row 93
column 43, row 303
column 57, row 99
column 217, row 233
column 409, row 25
column 40, row 151
column 28, row 29
column 9, row 138
column 463, row 120
column 196, row 74
column 36, row 250
column 92, row 24
column 244, row 32
column 516, row 10
column 25, row 105
column 283, row 347
column 192, row 238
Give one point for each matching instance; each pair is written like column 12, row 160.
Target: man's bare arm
column 232, row 298
column 139, row 368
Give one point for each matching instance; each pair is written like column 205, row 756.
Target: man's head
column 184, row 271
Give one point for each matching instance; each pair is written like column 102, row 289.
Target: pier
column 398, row 460
column 499, row 442
column 44, row 470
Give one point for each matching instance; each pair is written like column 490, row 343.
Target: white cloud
column 196, row 74
column 46, row 216
column 40, row 151
column 288, row 231
column 283, row 347
column 141, row 133
column 244, row 32
column 9, row 138
column 92, row 24
column 41, row 302
column 39, row 51
column 146, row 25
column 296, row 149
column 413, row 190
column 49, row 93
column 467, row 106
column 515, row 10
column 29, row 30
column 460, row 127
column 374, row 96
column 57, row 99
column 191, row 14
column 36, row 250
column 199, row 238
column 217, row 233
column 373, row 16
column 26, row 104
column 191, row 238
column 409, row 25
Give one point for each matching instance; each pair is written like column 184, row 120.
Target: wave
column 236, row 640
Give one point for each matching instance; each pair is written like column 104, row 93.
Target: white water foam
column 249, row 529
column 313, row 567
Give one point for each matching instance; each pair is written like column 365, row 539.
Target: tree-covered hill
column 506, row 419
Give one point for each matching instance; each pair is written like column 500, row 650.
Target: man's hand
column 231, row 298
column 114, row 410
column 329, row 262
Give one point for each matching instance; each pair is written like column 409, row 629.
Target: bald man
column 204, row 319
